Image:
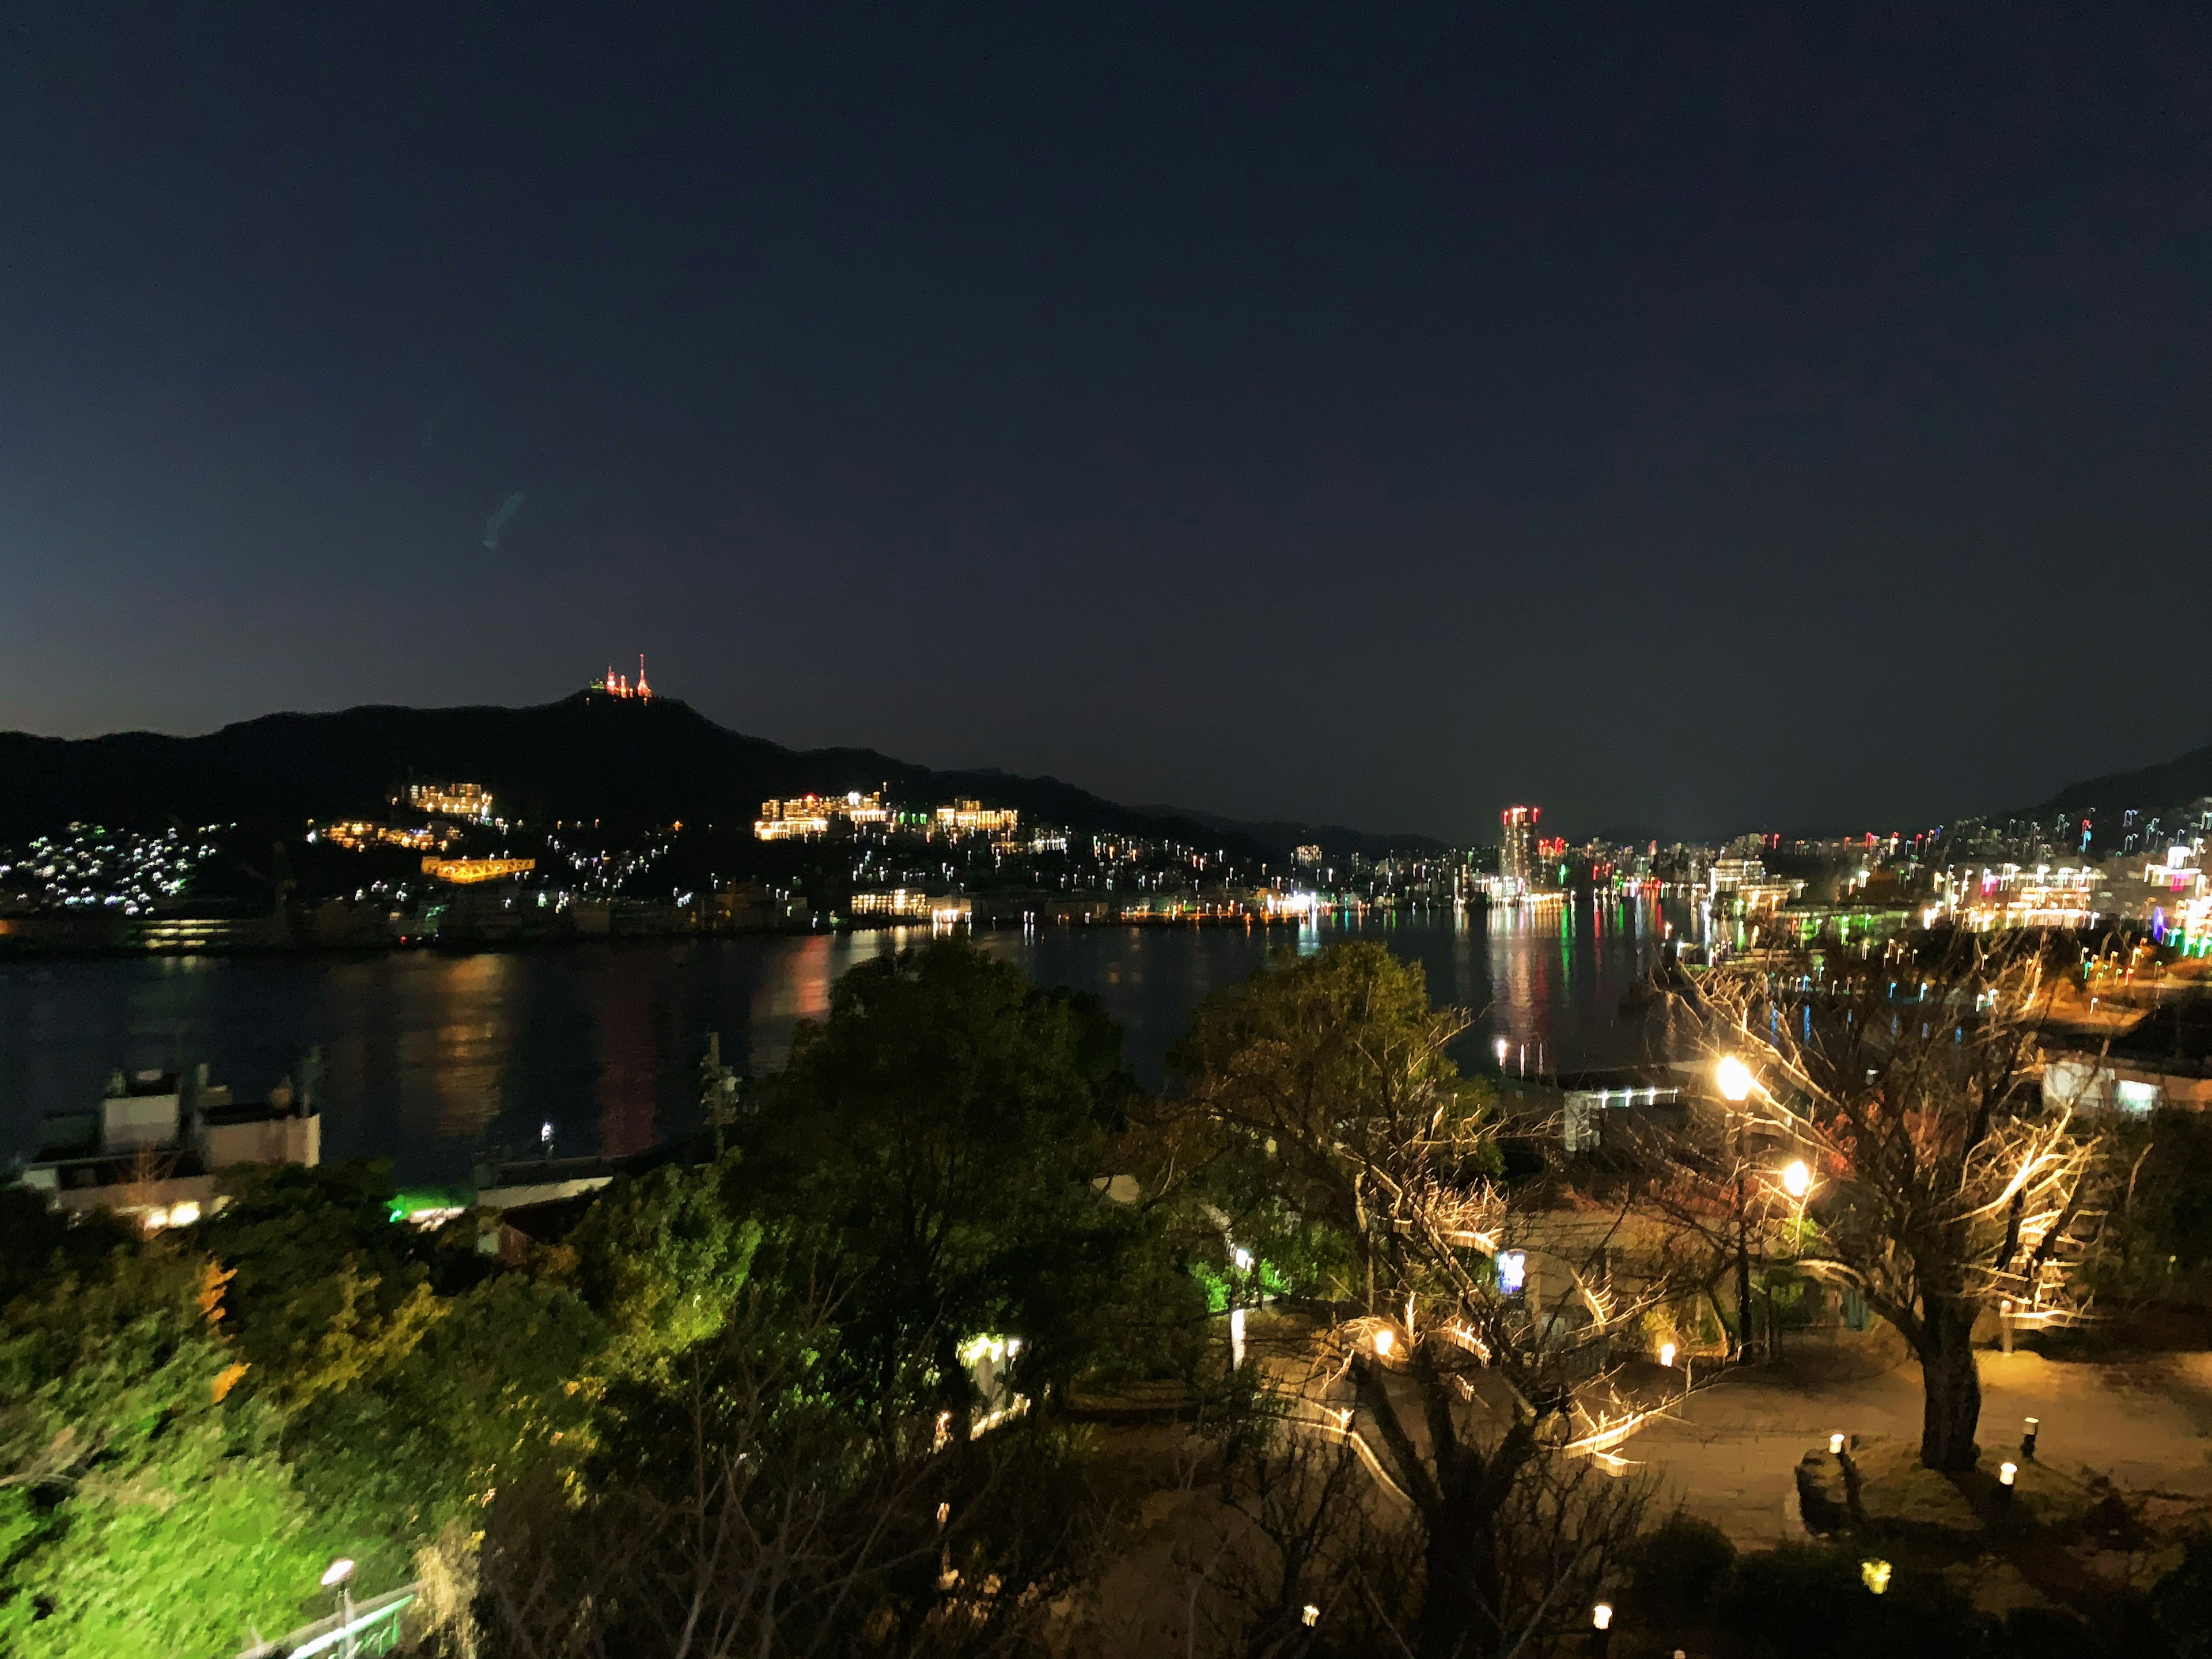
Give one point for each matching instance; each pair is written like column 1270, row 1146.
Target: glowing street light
column 1797, row 1178
column 337, row 1573
column 1500, row 1047
column 1601, row 1616
column 1309, row 1615
column 1667, row 1355
column 1734, row 1078
column 1385, row 1340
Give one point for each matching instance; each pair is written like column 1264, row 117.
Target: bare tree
column 1934, row 1180
column 1469, row 1397
column 734, row 1510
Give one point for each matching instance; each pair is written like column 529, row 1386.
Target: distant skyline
column 1692, row 418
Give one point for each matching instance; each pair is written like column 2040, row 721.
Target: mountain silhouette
column 622, row 762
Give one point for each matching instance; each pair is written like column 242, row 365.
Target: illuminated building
column 908, row 902
column 611, row 684
column 471, row 801
column 810, row 815
column 1309, row 854
column 1519, row 863
column 466, row 873
column 357, row 837
column 972, row 817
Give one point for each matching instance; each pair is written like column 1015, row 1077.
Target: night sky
column 1682, row 418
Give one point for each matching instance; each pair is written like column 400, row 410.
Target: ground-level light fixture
column 1309, row 1615
column 1835, row 1446
column 1512, row 1271
column 1797, row 1178
column 1601, row 1616
column 2007, row 1473
column 337, row 1572
column 1734, row 1078
column 1875, row 1575
column 1667, row 1355
column 1385, row 1340
column 2027, row 1439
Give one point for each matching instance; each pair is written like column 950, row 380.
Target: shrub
column 1673, row 1569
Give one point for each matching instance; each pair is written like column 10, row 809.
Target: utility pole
column 1742, row 1252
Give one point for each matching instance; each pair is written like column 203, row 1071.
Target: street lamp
column 1385, row 1340
column 1796, row 1179
column 1734, row 1078
column 1601, row 1629
column 335, row 1576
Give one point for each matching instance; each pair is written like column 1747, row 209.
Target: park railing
column 362, row 1628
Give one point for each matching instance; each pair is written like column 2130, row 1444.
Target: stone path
column 1729, row 1452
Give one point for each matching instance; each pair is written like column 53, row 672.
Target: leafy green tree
column 1331, row 1074
column 326, row 1287
column 939, row 1149
column 662, row 1259
column 140, row 1511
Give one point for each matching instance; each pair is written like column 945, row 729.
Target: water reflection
column 428, row 1057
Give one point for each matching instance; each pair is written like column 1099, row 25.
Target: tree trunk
column 1462, row 1565
column 1951, row 1392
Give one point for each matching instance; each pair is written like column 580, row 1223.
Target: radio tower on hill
column 615, row 685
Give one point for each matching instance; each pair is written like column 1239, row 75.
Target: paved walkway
column 1729, row 1451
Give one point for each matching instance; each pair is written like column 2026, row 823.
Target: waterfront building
column 1519, row 866
column 153, row 1147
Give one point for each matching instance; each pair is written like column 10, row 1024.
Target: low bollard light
column 2027, row 1440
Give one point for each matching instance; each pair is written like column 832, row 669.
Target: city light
column 1733, row 1078
column 1667, row 1355
column 1796, row 1179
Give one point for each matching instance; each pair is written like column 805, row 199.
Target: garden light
column 1385, row 1340
column 1667, row 1355
column 337, row 1572
column 1796, row 1179
column 1875, row 1575
column 1734, row 1078
column 1309, row 1615
column 1835, row 1446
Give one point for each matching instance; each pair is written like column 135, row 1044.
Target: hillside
column 584, row 757
column 2150, row 789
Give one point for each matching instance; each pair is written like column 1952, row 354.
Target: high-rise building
column 1517, row 859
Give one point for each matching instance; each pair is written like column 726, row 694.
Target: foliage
column 326, row 1288
column 939, row 1149
column 1326, row 1081
column 139, row 1513
column 662, row 1258
column 2155, row 1248
column 1807, row 1601
column 732, row 1507
column 1673, row 1570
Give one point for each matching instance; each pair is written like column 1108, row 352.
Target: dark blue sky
column 1676, row 416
